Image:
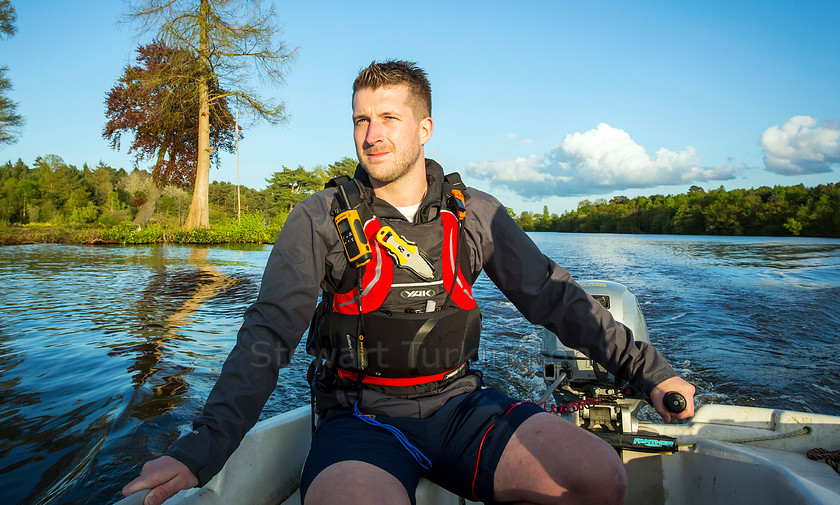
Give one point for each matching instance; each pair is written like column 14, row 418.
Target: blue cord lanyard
column 415, row 453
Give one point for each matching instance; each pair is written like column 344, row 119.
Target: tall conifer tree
column 11, row 122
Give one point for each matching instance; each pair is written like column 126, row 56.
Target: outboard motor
column 586, row 394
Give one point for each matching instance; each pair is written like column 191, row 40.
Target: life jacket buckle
column 458, row 203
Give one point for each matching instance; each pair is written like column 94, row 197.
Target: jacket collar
column 429, row 207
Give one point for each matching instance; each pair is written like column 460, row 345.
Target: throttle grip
column 674, row 402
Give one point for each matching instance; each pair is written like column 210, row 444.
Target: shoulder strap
column 348, row 197
column 337, row 181
column 453, row 181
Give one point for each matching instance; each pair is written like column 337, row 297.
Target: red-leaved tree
column 155, row 103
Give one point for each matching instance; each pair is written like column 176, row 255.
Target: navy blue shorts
column 464, row 441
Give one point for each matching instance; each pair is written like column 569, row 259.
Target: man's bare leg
column 356, row 482
column 548, row 460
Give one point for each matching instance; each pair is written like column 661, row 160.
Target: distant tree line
column 55, row 193
column 776, row 211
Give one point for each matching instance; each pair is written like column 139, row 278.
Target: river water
column 107, row 352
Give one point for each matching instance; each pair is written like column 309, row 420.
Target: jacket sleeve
column 546, row 295
column 271, row 330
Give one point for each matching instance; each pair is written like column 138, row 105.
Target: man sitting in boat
column 394, row 253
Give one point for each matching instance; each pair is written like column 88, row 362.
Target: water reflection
column 164, row 307
column 65, row 405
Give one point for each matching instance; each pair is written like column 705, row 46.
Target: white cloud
column 598, row 161
column 801, row 147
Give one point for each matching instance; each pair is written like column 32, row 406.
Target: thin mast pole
column 238, row 199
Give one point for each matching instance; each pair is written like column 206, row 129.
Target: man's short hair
column 394, row 73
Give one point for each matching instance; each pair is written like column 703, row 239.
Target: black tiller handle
column 674, row 402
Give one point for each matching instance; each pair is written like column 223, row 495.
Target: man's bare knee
column 605, row 482
column 609, row 484
column 549, row 460
column 355, row 482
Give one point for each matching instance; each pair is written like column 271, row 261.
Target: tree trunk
column 144, row 214
column 199, row 216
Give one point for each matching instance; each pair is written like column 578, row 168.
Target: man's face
column 389, row 138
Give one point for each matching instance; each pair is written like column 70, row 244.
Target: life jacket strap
column 408, row 381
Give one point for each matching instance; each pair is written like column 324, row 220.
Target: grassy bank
column 252, row 230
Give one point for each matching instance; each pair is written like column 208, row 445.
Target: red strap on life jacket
column 389, row 381
column 461, row 290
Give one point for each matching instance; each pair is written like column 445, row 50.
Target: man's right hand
column 165, row 476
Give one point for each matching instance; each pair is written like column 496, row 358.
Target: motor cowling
column 582, row 379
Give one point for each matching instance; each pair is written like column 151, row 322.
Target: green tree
column 223, row 199
column 232, row 41
column 11, row 123
column 793, row 226
column 56, row 179
column 288, row 188
column 174, row 204
column 344, row 166
column 13, row 199
column 689, row 220
column 526, row 221
column 101, row 180
column 7, row 19
column 824, row 211
column 78, row 208
column 542, row 222
column 28, row 195
column 9, row 208
column 780, row 210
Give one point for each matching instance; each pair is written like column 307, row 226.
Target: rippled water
column 107, row 352
column 752, row 321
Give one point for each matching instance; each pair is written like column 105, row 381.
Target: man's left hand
column 673, row 385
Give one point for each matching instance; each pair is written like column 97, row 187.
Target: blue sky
column 540, row 103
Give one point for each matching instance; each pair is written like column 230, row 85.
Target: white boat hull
column 739, row 455
column 731, row 455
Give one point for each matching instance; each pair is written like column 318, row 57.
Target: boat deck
column 732, row 455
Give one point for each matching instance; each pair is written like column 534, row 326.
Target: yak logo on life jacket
column 418, row 293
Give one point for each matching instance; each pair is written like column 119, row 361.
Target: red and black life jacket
column 403, row 330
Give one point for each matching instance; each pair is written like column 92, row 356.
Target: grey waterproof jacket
column 308, row 256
